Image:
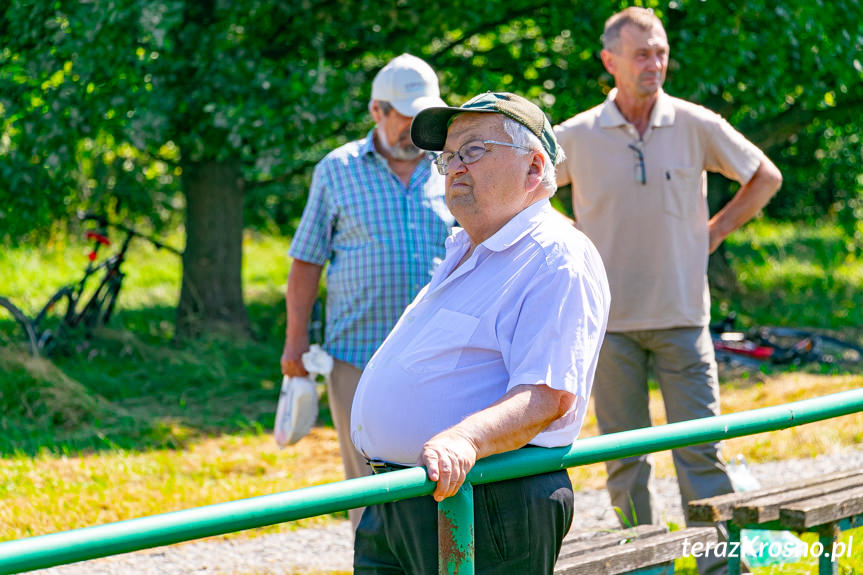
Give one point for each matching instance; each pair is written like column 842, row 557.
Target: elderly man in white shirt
column 498, row 351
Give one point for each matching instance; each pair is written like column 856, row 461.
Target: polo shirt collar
column 368, row 145
column 661, row 115
column 663, row 111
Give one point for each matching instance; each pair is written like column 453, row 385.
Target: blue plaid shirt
column 382, row 241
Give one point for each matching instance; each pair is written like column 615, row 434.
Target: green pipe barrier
column 530, row 461
column 163, row 529
column 134, row 534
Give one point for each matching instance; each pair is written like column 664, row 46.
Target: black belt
column 380, row 466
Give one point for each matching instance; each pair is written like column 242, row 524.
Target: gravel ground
column 325, row 549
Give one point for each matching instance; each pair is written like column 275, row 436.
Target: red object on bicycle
column 102, row 239
column 744, row 348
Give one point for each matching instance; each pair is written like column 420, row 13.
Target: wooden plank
column 585, row 542
column 766, row 508
column 826, row 509
column 638, row 554
column 721, row 507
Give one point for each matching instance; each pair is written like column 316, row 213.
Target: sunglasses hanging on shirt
column 639, row 171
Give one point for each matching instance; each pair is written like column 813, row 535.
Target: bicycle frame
column 100, row 302
column 113, row 277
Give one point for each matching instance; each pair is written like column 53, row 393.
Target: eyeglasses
column 639, row 172
column 468, row 153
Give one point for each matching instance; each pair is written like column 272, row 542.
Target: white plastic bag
column 297, row 410
column 317, row 361
column 761, row 547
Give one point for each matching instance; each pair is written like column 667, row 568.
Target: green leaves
column 278, row 84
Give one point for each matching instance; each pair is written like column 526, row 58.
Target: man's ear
column 534, row 171
column 377, row 113
column 607, row 57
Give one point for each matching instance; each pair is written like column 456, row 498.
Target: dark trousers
column 519, row 526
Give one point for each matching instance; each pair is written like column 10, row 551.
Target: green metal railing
column 455, row 517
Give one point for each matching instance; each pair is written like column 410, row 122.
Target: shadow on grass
column 134, row 387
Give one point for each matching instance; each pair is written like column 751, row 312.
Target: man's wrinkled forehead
column 472, row 125
column 653, row 37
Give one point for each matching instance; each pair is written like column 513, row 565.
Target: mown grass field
column 134, row 423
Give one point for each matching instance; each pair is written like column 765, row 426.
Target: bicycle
column 73, row 305
column 780, row 346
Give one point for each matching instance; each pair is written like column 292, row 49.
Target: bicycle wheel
column 809, row 346
column 835, row 352
column 23, row 323
column 54, row 320
column 791, row 345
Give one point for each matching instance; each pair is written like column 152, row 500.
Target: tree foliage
column 110, row 103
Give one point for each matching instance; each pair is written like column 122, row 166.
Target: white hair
column 522, row 136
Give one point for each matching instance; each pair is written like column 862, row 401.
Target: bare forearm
column 746, row 203
column 299, row 298
column 515, row 419
column 505, row 425
column 300, row 295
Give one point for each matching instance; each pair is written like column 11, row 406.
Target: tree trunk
column 211, row 298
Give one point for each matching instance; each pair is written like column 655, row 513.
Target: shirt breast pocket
column 438, row 345
column 682, row 191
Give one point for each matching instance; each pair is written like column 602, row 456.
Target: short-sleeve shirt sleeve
column 313, row 240
column 557, row 345
column 728, row 152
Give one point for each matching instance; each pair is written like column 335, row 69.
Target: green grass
column 132, row 386
column 789, row 274
column 134, row 423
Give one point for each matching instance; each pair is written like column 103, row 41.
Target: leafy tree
column 219, row 109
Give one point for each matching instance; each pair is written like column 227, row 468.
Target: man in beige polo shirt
column 637, row 167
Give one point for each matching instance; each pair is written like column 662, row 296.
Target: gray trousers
column 340, row 390
column 518, row 528
column 686, row 372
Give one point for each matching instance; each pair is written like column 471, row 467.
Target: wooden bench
column 824, row 505
column 645, row 550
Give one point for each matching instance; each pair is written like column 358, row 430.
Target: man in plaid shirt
column 376, row 213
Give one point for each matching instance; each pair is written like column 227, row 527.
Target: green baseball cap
column 429, row 127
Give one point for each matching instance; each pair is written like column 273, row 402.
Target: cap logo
column 414, row 86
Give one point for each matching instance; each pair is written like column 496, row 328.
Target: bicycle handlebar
column 105, row 223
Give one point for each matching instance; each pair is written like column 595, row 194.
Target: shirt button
column 412, row 227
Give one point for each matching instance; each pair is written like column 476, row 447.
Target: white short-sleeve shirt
column 529, row 306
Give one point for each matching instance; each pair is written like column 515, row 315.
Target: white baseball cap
column 409, row 84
